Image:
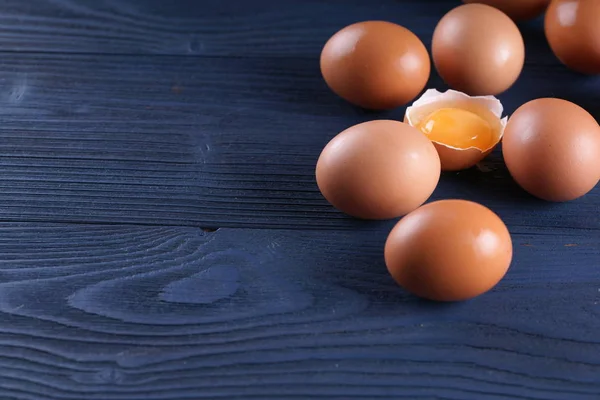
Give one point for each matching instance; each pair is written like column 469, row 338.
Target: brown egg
column 375, row 64
column 449, row 250
column 573, row 30
column 378, row 170
column 552, row 149
column 478, row 50
column 516, row 9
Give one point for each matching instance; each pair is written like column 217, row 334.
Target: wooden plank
column 130, row 312
column 187, row 27
column 209, row 142
column 272, row 28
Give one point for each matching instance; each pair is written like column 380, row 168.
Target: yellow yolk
column 457, row 128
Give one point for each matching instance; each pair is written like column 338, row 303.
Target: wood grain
column 131, row 129
column 177, row 313
column 209, row 142
column 188, row 27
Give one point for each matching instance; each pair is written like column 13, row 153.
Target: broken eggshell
column 487, row 107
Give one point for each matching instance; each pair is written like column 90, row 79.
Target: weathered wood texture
column 128, row 125
column 208, row 142
column 190, row 27
column 117, row 312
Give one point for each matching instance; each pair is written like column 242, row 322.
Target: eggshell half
column 452, row 158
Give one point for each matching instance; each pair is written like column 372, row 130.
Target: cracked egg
column 464, row 129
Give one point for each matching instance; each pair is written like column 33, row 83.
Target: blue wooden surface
column 132, row 129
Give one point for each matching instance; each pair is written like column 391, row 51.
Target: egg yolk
column 458, row 128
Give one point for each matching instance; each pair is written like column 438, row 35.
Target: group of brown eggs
column 452, row 250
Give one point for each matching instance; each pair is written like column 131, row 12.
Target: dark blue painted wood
column 125, row 312
column 210, row 142
column 192, row 27
column 128, row 125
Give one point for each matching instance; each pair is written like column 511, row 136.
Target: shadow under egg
column 489, row 182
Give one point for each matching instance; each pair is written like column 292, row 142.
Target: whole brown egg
column 552, row 149
column 379, row 169
column 449, row 250
column 573, row 31
column 375, row 64
column 478, row 50
column 516, row 9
